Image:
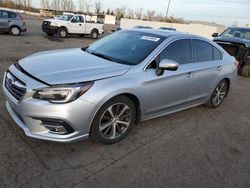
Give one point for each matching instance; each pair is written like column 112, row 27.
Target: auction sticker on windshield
column 155, row 39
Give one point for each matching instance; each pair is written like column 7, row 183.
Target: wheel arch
column 129, row 95
column 14, row 26
column 95, row 29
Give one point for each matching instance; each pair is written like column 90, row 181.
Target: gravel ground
column 199, row 147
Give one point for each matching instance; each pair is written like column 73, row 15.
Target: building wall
column 198, row 29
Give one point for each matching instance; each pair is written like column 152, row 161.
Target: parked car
column 104, row 89
column 12, row 22
column 168, row 28
column 236, row 41
column 72, row 24
column 142, row 27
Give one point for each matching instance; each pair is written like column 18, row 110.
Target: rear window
column 12, row 15
column 217, row 54
column 5, row 14
column 202, row 51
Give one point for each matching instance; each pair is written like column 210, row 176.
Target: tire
column 218, row 95
column 50, row 34
column 114, row 120
column 62, row 33
column 94, row 34
column 246, row 71
column 15, row 31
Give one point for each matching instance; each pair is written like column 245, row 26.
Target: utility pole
column 169, row 1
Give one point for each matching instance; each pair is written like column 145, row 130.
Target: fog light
column 56, row 126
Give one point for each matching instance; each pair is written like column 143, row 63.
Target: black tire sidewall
column 95, row 133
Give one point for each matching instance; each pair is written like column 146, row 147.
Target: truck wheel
column 15, row 31
column 94, row 34
column 246, row 71
column 62, row 32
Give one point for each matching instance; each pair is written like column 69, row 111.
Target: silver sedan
column 102, row 90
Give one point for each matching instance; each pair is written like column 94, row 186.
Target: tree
column 81, row 5
column 131, row 14
column 108, row 11
column 87, row 6
column 67, row 5
column 45, row 4
column 138, row 13
column 120, row 12
column 98, row 7
column 150, row 14
column 56, row 4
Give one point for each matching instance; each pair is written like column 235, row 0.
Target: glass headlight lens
column 63, row 93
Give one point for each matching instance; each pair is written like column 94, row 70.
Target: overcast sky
column 224, row 12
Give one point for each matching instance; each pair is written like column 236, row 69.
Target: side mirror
column 166, row 64
column 215, row 35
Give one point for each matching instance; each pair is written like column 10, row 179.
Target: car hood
column 233, row 40
column 70, row 66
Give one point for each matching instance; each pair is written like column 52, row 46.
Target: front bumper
column 49, row 29
column 28, row 114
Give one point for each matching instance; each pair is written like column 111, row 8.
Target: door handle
column 188, row 75
column 219, row 68
column 9, row 20
column 80, row 24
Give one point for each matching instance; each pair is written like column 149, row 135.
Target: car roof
column 239, row 28
column 165, row 33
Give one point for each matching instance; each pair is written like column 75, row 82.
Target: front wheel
column 218, row 95
column 62, row 32
column 114, row 120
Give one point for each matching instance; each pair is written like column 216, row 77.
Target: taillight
column 21, row 17
column 237, row 64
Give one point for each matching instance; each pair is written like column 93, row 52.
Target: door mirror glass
column 215, row 35
column 166, row 64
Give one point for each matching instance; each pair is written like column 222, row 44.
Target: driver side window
column 179, row 51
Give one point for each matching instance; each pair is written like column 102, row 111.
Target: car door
column 77, row 25
column 4, row 21
column 171, row 90
column 206, row 68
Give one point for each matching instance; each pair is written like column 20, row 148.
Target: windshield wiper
column 100, row 55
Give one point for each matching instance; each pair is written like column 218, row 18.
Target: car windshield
column 237, row 32
column 126, row 47
column 65, row 17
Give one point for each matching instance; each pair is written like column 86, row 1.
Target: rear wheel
column 62, row 32
column 246, row 71
column 218, row 95
column 114, row 120
column 94, row 34
column 15, row 31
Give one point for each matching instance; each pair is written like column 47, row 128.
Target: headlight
column 53, row 24
column 62, row 93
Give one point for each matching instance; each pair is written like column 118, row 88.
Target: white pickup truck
column 72, row 24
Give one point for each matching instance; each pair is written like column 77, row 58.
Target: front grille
column 15, row 86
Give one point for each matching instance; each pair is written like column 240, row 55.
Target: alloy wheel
column 219, row 94
column 115, row 121
column 15, row 31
